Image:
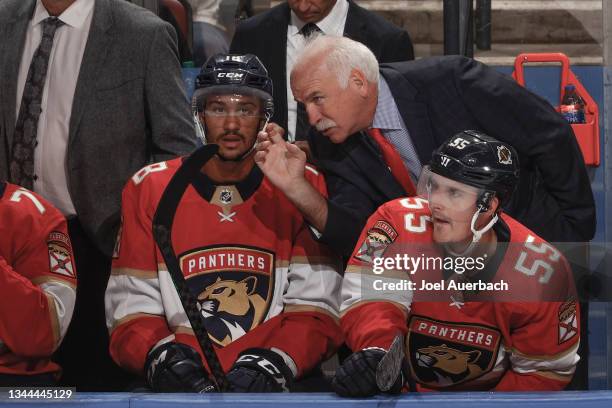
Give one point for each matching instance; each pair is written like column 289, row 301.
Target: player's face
column 336, row 112
column 452, row 205
column 311, row 11
column 232, row 122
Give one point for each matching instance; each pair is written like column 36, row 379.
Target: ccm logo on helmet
column 230, row 75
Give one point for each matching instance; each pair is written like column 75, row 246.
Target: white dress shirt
column 207, row 11
column 50, row 179
column 332, row 24
column 388, row 119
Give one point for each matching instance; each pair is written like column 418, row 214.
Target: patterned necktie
column 302, row 126
column 393, row 161
column 309, row 28
column 24, row 139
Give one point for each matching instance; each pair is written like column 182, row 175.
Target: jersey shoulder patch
column 61, row 261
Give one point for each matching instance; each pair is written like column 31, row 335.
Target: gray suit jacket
column 129, row 106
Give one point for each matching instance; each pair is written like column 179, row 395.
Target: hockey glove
column 356, row 377
column 176, row 367
column 260, row 370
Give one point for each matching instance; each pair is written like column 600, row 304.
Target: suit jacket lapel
column 14, row 39
column 414, row 113
column 98, row 43
column 355, row 27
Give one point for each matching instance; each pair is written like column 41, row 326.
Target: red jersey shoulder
column 530, row 259
column 392, row 226
column 411, row 216
column 519, row 232
column 31, row 221
column 399, row 207
column 149, row 182
column 156, row 174
column 25, row 209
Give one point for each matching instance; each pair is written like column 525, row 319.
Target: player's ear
column 494, row 206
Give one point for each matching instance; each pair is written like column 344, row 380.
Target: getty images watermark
column 461, row 268
column 525, row 271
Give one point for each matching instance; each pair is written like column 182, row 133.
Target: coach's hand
column 176, row 367
column 356, row 377
column 281, row 162
column 271, row 132
column 260, row 370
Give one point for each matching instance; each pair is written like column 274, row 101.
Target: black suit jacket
column 265, row 35
column 438, row 97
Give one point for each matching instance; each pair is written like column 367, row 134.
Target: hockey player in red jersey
column 509, row 321
column 268, row 292
column 37, row 287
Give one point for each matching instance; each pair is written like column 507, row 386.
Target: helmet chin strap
column 476, row 234
column 199, row 129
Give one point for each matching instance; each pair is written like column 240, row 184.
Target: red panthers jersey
column 37, row 282
column 519, row 331
column 248, row 256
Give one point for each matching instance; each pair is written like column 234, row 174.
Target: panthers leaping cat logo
column 231, row 308
column 449, row 365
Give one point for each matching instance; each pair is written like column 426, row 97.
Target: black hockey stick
column 162, row 232
column 390, row 366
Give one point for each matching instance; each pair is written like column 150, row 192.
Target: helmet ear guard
column 268, row 109
column 484, row 201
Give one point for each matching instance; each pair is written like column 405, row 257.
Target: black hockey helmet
column 238, row 74
column 478, row 160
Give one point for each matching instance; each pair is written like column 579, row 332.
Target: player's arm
column 545, row 335
column 133, row 301
column 370, row 317
column 141, row 340
column 38, row 289
column 310, row 309
column 311, row 305
column 543, row 353
column 311, row 301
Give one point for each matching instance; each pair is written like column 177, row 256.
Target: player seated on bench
column 37, row 287
column 509, row 322
column 267, row 291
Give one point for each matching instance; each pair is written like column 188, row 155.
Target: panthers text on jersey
column 37, row 282
column 248, row 256
column 523, row 338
